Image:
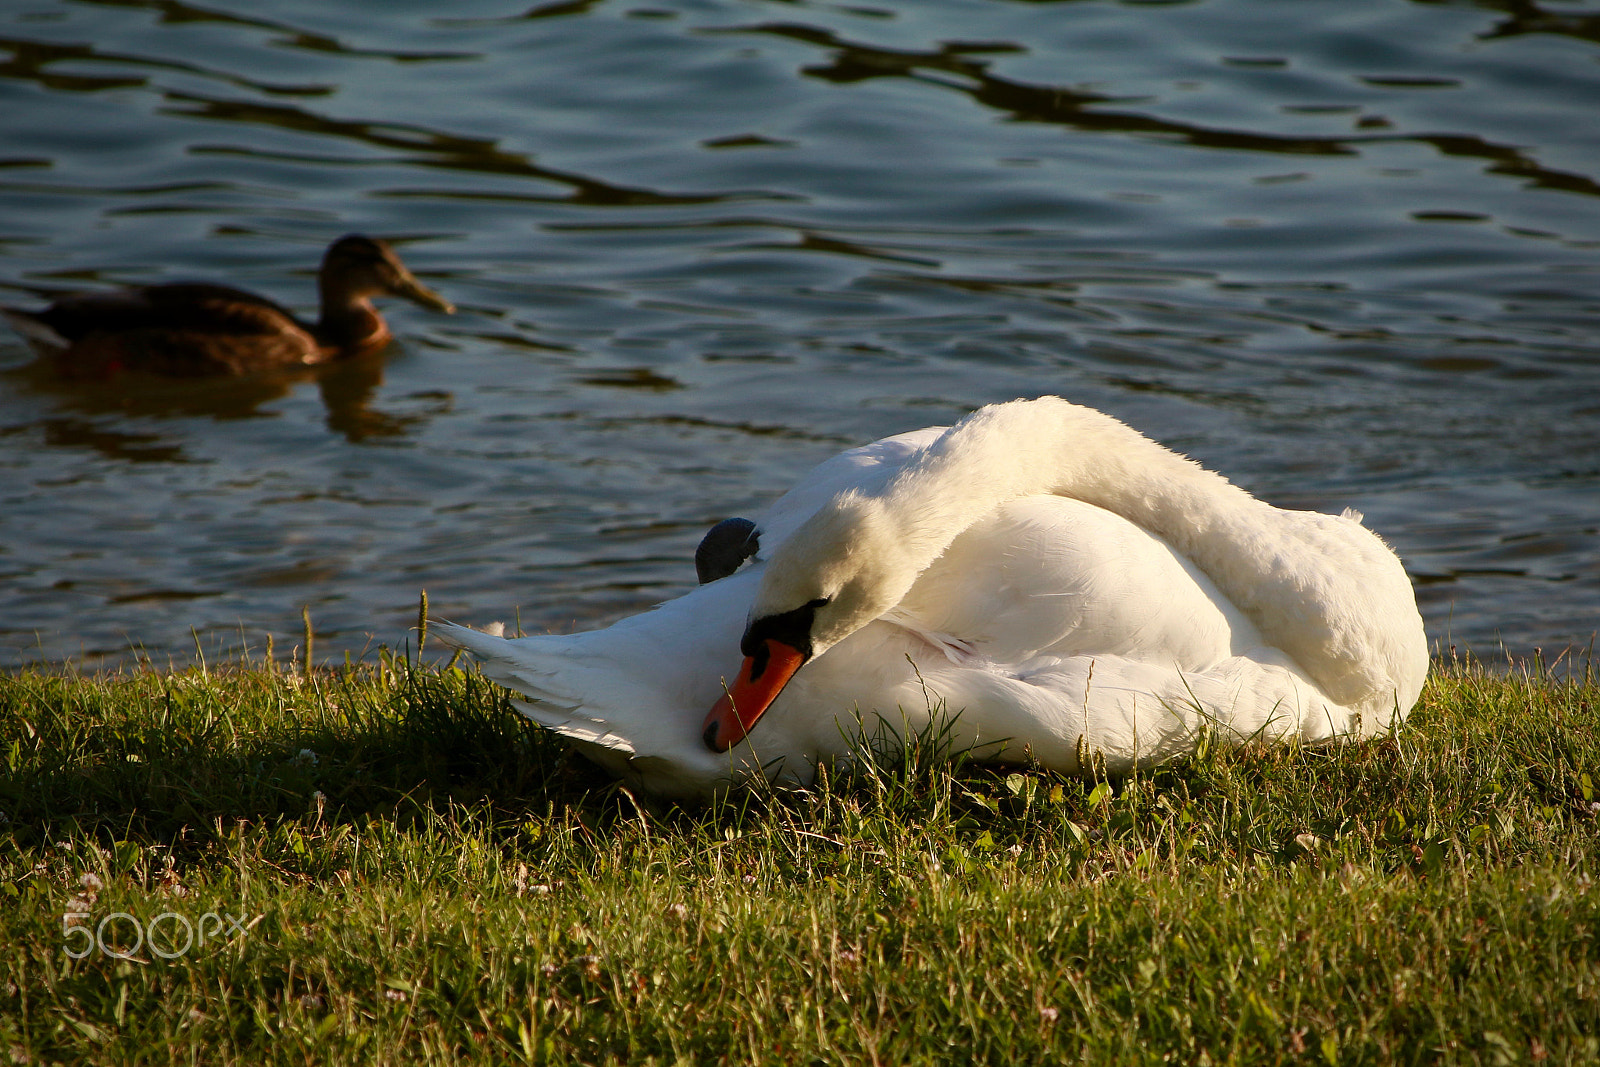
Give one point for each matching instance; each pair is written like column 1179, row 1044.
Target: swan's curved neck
column 1050, row 446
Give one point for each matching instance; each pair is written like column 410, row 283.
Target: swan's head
column 842, row 568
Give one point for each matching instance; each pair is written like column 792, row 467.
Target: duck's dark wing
column 184, row 306
column 181, row 329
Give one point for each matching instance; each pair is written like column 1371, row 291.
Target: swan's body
column 1059, row 587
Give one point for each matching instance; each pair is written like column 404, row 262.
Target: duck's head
column 843, row 568
column 356, row 268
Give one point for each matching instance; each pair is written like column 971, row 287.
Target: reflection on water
column 81, row 409
column 1348, row 255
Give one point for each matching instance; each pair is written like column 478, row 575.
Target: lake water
column 1345, row 251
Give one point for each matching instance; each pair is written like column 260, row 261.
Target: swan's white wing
column 1052, row 574
column 1054, row 628
column 1117, row 712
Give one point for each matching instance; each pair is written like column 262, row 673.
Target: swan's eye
column 792, row 628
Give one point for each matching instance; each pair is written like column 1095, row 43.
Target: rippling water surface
column 1345, row 251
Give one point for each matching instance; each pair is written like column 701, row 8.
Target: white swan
column 1060, row 586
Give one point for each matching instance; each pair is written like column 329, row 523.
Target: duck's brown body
column 196, row 329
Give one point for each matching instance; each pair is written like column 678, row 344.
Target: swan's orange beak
column 760, row 680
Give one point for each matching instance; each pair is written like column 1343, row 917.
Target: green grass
column 443, row 883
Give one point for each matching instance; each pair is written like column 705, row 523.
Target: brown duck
column 190, row 329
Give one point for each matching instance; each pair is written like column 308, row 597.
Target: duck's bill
column 418, row 293
column 760, row 680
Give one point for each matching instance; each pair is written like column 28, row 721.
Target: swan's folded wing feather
column 1061, row 710
column 575, row 727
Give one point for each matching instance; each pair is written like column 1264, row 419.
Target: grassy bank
column 396, row 867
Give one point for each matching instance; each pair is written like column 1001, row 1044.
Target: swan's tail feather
column 516, row 666
column 456, row 636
